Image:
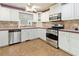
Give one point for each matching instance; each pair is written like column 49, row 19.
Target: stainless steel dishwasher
column 14, row 36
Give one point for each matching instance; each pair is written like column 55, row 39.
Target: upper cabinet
column 5, row 14
column 35, row 17
column 45, row 16
column 76, row 5
column 14, row 15
column 8, row 14
column 67, row 11
column 55, row 9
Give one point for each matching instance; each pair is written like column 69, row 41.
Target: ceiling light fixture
column 31, row 8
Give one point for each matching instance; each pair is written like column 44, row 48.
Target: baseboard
column 67, row 52
column 4, row 46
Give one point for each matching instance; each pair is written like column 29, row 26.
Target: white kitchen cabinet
column 35, row 17
column 55, row 9
column 41, row 33
column 33, row 34
column 45, row 16
column 8, row 14
column 24, row 35
column 64, row 41
column 4, row 38
column 14, row 15
column 69, row 42
column 76, row 10
column 67, row 11
column 74, row 43
column 5, row 14
column 30, row 34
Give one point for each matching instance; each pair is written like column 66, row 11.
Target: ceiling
column 42, row 6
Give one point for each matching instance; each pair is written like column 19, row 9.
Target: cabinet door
column 45, row 16
column 33, row 34
column 4, row 38
column 24, row 35
column 64, row 41
column 41, row 33
column 74, row 43
column 14, row 15
column 5, row 14
column 76, row 10
column 67, row 11
column 35, row 17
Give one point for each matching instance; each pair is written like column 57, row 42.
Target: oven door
column 52, row 36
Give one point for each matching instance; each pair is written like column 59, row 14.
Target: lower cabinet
column 24, row 35
column 30, row 34
column 69, row 42
column 41, row 33
column 74, row 43
column 3, row 38
column 64, row 41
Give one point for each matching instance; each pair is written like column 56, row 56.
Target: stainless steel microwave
column 55, row 17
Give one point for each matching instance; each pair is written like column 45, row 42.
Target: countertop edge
column 68, row 30
column 5, row 29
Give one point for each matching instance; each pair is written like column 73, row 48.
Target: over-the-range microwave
column 55, row 17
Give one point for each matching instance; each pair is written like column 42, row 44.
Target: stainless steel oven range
column 52, row 35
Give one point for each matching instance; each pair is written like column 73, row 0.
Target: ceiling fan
column 31, row 8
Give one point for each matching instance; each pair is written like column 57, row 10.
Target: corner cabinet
column 4, row 40
column 69, row 42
